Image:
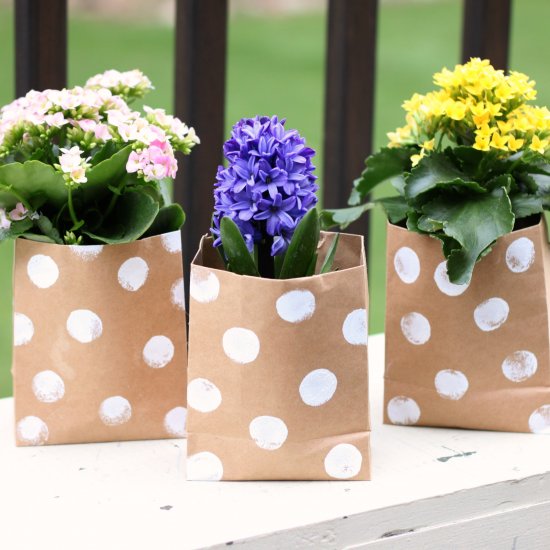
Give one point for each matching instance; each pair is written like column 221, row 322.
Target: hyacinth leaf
column 396, row 208
column 524, row 205
column 239, row 259
column 31, row 183
column 331, row 253
column 386, row 164
column 475, row 225
column 312, row 265
column 342, row 217
column 302, row 247
column 134, row 213
column 169, row 218
column 437, row 171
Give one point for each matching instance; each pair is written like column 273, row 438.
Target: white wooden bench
column 431, row 488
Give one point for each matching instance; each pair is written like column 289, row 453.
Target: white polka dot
column 318, row 387
column 84, row 325
column 32, row 431
column 444, row 284
column 203, row 395
column 296, row 306
column 416, row 328
column 406, row 264
column 491, row 314
column 539, row 421
column 172, row 242
column 23, row 329
column 403, row 411
column 520, row 365
column 451, row 384
column 268, row 432
column 115, row 410
column 158, row 352
column 343, row 461
column 42, row 271
column 205, row 466
column 520, row 255
column 241, row 345
column 204, row 286
column 87, row 252
column 174, row 421
column 355, row 328
column 177, row 294
column 133, row 274
column 48, row 386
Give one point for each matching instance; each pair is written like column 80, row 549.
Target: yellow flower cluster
column 479, row 106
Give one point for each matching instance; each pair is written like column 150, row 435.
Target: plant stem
column 76, row 222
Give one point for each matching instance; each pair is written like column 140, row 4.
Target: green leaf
column 312, row 264
column 19, row 227
column 106, row 173
column 239, row 259
column 132, row 216
column 343, row 216
column 396, row 208
column 48, row 229
column 32, row 183
column 39, row 238
column 169, row 218
column 437, row 171
column 504, row 180
column 524, row 205
column 331, row 253
column 106, row 152
column 474, row 224
column 428, row 225
column 385, row 164
column 302, row 247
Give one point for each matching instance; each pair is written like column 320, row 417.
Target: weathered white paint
column 431, row 488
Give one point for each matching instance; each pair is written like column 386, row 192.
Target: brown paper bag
column 472, row 356
column 99, row 341
column 278, row 385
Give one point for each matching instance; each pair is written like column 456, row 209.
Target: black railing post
column 40, row 45
column 349, row 100
column 486, row 31
column 201, row 50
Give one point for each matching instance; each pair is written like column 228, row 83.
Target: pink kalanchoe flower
column 87, row 124
column 4, row 222
column 102, row 132
column 57, row 120
column 18, row 213
column 134, row 163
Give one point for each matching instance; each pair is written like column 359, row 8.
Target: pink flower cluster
column 153, row 163
column 17, row 214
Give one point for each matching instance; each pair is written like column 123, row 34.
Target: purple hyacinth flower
column 268, row 185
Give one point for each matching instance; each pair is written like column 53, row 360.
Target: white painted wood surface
column 432, row 488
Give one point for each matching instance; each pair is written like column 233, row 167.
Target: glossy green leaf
column 302, row 247
column 437, row 171
column 31, row 182
column 524, row 205
column 474, row 224
column 386, row 164
column 238, row 257
column 331, row 253
column 396, row 208
column 169, row 218
column 134, row 213
column 343, row 216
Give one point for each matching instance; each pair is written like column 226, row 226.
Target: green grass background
column 276, row 66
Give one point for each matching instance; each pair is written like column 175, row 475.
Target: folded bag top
column 278, row 380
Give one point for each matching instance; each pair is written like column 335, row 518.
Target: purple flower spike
column 268, row 185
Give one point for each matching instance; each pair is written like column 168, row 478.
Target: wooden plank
column 486, row 31
column 40, row 45
column 349, row 99
column 201, row 44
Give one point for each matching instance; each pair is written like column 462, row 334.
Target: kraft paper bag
column 278, row 381
column 472, row 356
column 99, row 341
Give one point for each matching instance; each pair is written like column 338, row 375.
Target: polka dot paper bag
column 278, row 384
column 99, row 341
column 472, row 356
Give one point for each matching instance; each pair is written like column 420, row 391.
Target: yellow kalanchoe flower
column 538, row 145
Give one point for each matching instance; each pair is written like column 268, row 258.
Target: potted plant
column 467, row 334
column 99, row 322
column 277, row 330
